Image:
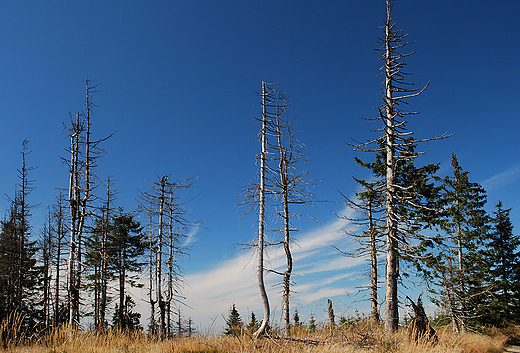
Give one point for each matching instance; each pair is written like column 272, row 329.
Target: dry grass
column 362, row 337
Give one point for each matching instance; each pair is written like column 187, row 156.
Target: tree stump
column 420, row 329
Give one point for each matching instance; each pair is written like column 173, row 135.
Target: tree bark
column 392, row 310
column 261, row 218
column 374, row 312
column 284, row 185
column 330, row 310
column 73, row 295
column 160, row 298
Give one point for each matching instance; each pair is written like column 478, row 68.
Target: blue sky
column 178, row 82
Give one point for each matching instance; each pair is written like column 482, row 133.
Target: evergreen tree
column 455, row 261
column 296, row 318
column 234, row 323
column 127, row 250
column 253, row 324
column 414, row 200
column 131, row 320
column 98, row 255
column 503, row 307
column 342, row 321
column 20, row 275
column 312, row 324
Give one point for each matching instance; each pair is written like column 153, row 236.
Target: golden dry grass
column 361, row 337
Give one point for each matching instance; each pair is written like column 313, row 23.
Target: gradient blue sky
column 178, row 82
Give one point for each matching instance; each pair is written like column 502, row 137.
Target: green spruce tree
column 253, row 324
column 234, row 323
column 503, row 306
column 131, row 320
column 126, row 250
column 296, row 318
column 312, row 324
column 414, row 199
column 21, row 276
column 455, row 266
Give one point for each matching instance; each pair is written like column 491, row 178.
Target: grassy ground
column 356, row 338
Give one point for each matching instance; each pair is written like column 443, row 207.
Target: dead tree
column 290, row 185
column 397, row 147
column 105, row 221
column 151, row 268
column 26, row 186
column 280, row 184
column 84, row 153
column 261, row 213
column 180, row 328
column 168, row 226
column 255, row 196
column 370, row 203
column 330, row 311
column 99, row 257
column 419, row 328
column 73, row 264
column 60, row 232
column 176, row 233
column 47, row 249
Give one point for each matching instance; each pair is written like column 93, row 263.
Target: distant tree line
column 89, row 251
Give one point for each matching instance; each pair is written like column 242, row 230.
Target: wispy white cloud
column 506, row 177
column 190, row 238
column 320, row 293
column 319, row 271
column 212, row 292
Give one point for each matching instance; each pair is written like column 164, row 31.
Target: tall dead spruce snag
column 84, row 153
column 395, row 139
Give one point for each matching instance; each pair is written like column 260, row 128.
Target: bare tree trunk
column 21, row 226
column 288, row 271
column 47, row 251
column 179, row 323
column 60, row 235
column 261, row 219
column 170, row 261
column 392, row 309
column 151, row 269
column 104, row 259
column 374, row 313
column 284, row 185
column 73, row 295
column 122, row 296
column 79, row 201
column 451, row 303
column 461, row 274
column 160, row 299
column 82, row 208
column 57, row 284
